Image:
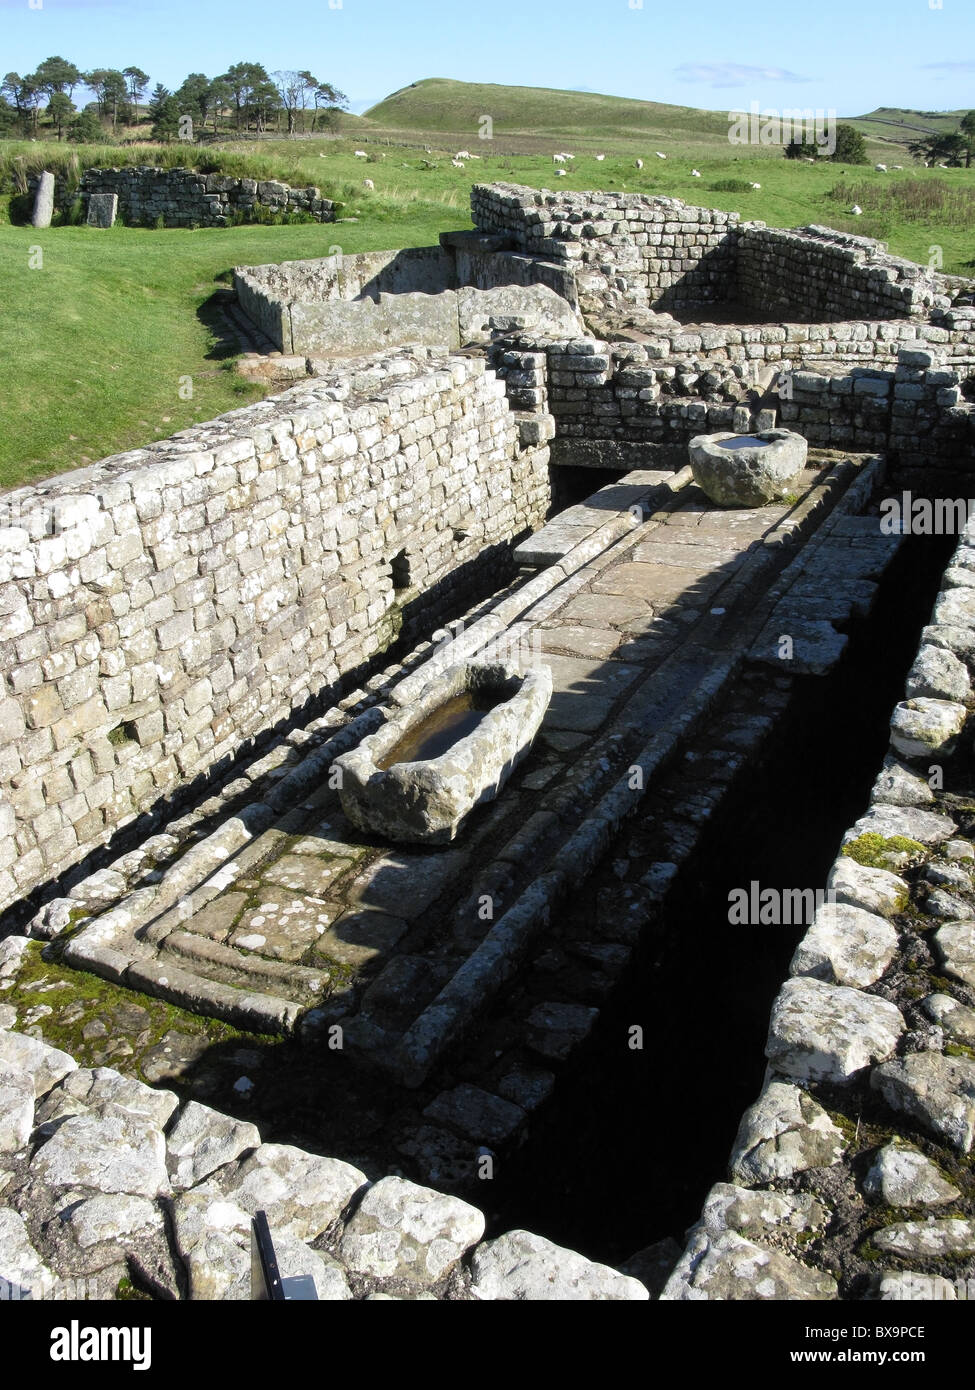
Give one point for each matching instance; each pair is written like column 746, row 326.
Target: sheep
column 462, row 154
column 880, row 168
column 639, row 164
column 457, row 163
column 559, row 158
column 360, row 154
column 659, row 155
column 695, row 174
column 756, row 185
column 368, row 183
column 600, row 158
column 856, row 210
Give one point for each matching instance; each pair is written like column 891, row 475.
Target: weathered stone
column 111, row 1152
column 955, row 944
column 750, row 474
column 926, row 728
column 426, row 800
column 113, row 1217
column 898, row 1285
column 22, row 1272
column 555, row 1030
column 821, row 1032
column 898, row 785
column 783, row 1133
column 301, row 1193
column 520, row 1266
column 875, row 890
column 938, row 903
column 939, row 675
column 913, row 823
column 16, row 1110
column 108, row 1091
column 403, row 1231
column 484, row 1118
column 931, row 1238
column 203, row 1140
column 43, row 201
column 653, row 1265
column 846, row 945
column 45, row 1065
column 751, row 1213
column 936, row 1091
column 903, row 1177
column 957, row 1020
column 726, row 1266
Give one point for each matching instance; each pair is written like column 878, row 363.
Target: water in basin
column 447, row 725
column 743, row 441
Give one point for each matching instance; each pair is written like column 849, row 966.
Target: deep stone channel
column 635, row 1138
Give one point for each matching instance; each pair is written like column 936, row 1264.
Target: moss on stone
column 99, row 998
column 871, row 848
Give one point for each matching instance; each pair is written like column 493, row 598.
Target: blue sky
column 849, row 55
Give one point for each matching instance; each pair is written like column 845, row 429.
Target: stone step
column 241, row 970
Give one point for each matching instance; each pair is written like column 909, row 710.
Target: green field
column 95, row 343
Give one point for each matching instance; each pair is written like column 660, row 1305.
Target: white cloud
column 948, row 68
column 734, row 74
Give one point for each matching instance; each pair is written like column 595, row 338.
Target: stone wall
column 609, row 401
column 107, row 1179
column 913, row 411
column 875, row 1024
column 668, row 253
column 185, row 197
column 159, row 608
column 341, row 306
column 824, row 274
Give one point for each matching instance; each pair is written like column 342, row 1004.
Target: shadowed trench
column 634, row 1139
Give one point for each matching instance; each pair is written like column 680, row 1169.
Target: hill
column 900, row 125
column 530, row 119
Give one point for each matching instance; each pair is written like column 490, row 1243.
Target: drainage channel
column 634, row 1137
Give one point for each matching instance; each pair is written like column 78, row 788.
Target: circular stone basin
column 747, row 470
column 483, row 715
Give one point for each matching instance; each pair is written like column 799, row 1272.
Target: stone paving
column 311, row 923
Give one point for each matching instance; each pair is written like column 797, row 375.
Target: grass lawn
column 95, row 342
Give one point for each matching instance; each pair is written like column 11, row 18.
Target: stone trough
column 482, row 716
column 747, row 470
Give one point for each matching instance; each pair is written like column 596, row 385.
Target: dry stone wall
column 666, row 253
column 827, row 275
column 185, row 197
column 159, row 608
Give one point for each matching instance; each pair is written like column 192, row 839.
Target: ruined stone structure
column 186, row 198
column 294, row 564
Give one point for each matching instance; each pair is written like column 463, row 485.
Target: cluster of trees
column 850, row 147
column 245, row 97
column 954, row 147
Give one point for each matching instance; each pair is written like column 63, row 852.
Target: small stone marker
column 102, row 208
column 43, row 201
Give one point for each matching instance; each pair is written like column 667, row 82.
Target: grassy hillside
column 900, row 126
column 527, row 119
